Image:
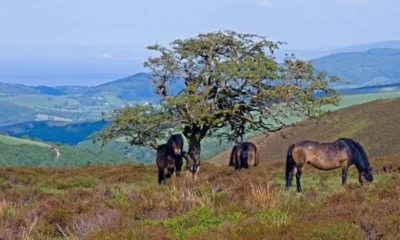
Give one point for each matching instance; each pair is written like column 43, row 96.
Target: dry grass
column 125, row 202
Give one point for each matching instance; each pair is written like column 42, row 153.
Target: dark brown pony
column 244, row 155
column 327, row 156
column 169, row 158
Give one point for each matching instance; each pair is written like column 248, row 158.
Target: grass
column 19, row 141
column 125, row 202
column 374, row 124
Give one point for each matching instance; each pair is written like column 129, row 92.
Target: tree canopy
column 231, row 84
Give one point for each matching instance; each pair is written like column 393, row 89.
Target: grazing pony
column 327, row 156
column 169, row 158
column 244, row 155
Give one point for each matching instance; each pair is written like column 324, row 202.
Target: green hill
column 19, row 141
column 373, row 67
column 16, row 152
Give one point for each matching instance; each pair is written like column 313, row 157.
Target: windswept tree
column 231, row 84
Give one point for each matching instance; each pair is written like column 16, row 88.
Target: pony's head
column 365, row 177
column 176, row 143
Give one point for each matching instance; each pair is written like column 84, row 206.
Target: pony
column 169, row 158
column 341, row 153
column 244, row 155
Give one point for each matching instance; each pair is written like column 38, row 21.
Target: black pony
column 244, row 155
column 327, row 156
column 169, row 157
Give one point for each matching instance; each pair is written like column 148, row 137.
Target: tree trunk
column 195, row 147
column 194, row 134
column 193, row 163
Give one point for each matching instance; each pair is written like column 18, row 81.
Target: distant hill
column 374, row 124
column 365, row 47
column 20, row 103
column 369, row 68
column 51, row 131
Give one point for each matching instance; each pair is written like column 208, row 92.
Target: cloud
column 106, row 56
column 266, row 3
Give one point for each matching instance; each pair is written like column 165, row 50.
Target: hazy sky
column 304, row 24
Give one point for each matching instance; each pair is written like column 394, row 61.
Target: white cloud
column 106, row 55
column 266, row 3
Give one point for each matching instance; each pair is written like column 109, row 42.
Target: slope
column 374, row 124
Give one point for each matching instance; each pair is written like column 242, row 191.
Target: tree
column 231, row 84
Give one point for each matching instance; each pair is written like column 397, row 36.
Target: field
column 125, row 202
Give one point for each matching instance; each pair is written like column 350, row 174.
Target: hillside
column 374, row 124
column 18, row 141
column 368, row 46
column 125, row 202
column 16, row 152
column 51, row 131
column 373, row 67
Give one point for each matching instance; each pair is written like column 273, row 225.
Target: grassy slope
column 374, row 124
column 18, row 141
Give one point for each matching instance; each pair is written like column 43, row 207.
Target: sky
column 117, row 31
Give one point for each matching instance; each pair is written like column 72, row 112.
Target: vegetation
column 125, row 202
column 232, row 85
column 17, row 152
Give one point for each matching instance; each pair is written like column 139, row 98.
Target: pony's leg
column 290, row 172
column 161, row 176
column 298, row 177
column 170, row 172
column 344, row 176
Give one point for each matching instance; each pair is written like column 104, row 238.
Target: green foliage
column 232, row 85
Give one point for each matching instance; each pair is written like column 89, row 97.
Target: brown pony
column 244, row 155
column 327, row 156
column 169, row 158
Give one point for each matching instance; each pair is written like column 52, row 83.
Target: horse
column 244, row 155
column 169, row 158
column 341, row 153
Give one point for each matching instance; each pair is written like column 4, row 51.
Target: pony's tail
column 290, row 165
column 359, row 158
column 257, row 158
column 231, row 162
